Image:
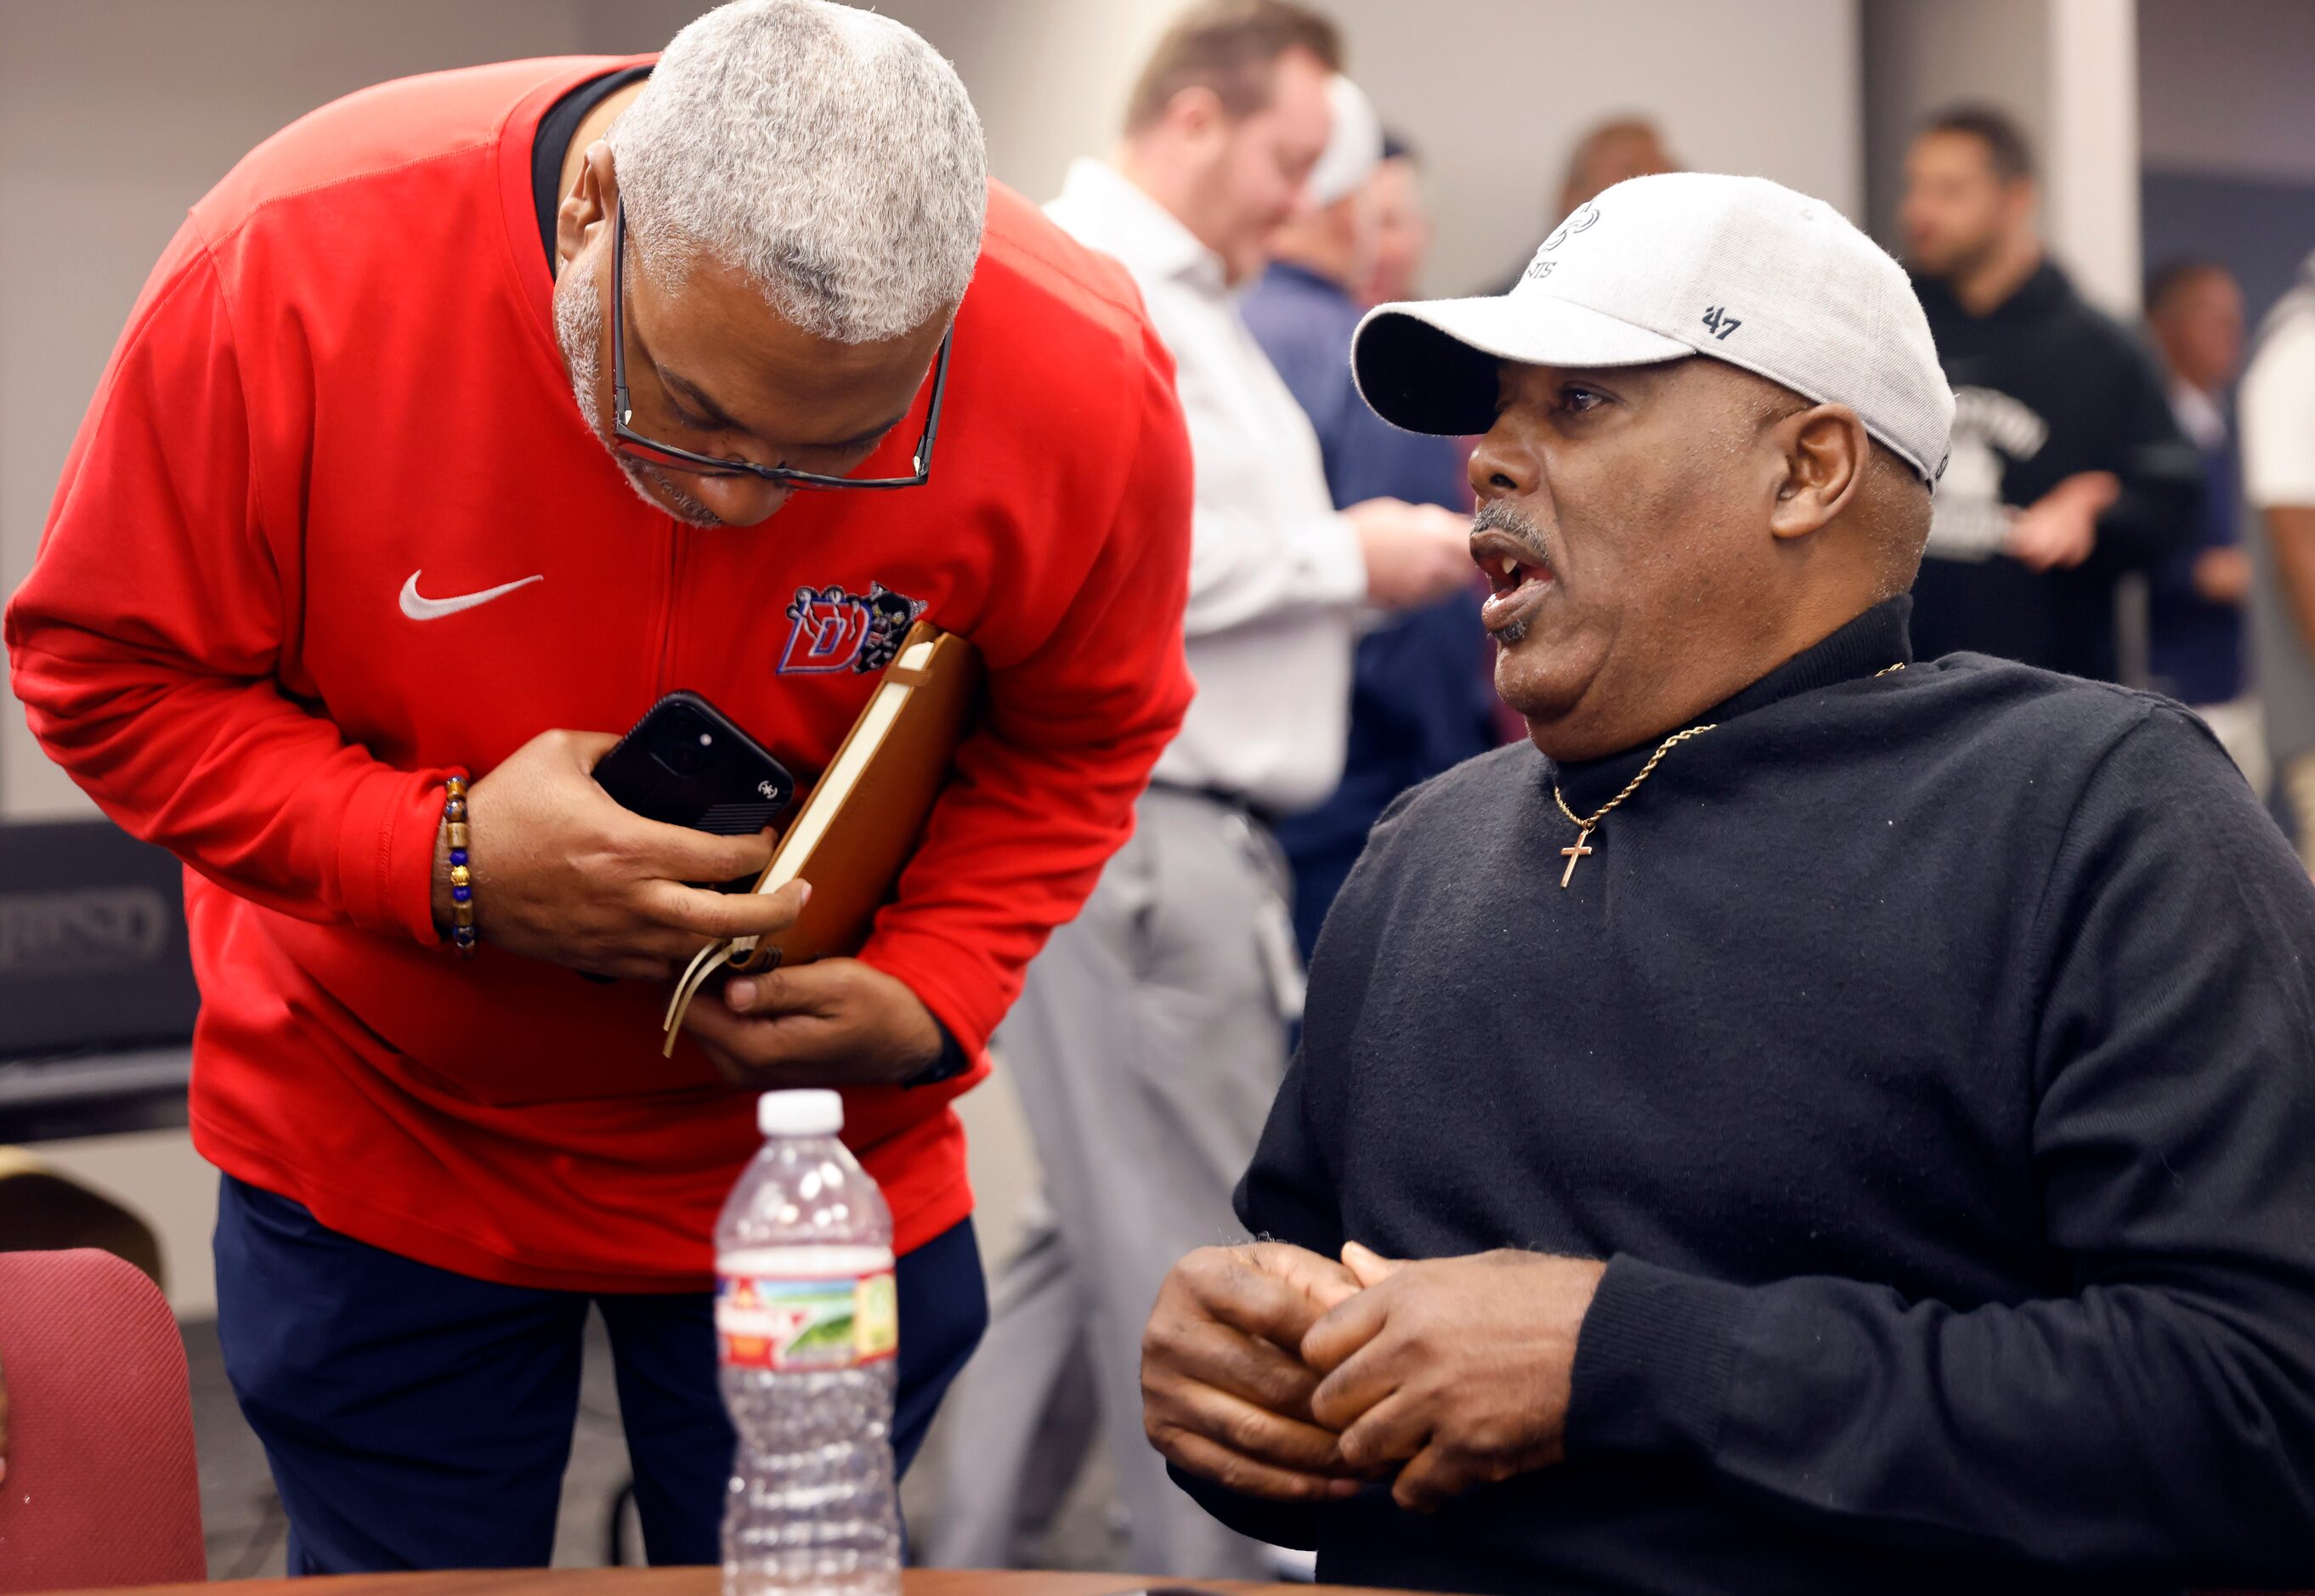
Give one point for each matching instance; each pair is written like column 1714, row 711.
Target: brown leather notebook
column 860, row 824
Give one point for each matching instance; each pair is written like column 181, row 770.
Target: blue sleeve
column 2161, row 473
column 1308, row 342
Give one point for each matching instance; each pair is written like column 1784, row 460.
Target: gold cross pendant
column 1573, row 854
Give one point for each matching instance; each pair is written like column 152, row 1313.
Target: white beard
column 579, row 329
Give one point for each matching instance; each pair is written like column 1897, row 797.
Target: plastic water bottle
column 807, row 1332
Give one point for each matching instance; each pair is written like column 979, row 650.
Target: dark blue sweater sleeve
column 2159, row 471
column 2155, row 1410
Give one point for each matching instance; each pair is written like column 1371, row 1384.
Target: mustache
column 1496, row 516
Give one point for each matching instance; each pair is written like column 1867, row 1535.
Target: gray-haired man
column 335, row 531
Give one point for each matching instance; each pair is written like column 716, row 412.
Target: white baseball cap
column 1683, row 263
column 1353, row 145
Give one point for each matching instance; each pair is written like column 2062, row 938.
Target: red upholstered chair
column 101, row 1487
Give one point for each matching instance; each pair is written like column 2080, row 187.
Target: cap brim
column 1430, row 365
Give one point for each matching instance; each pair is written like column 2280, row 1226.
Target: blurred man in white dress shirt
column 1150, row 1037
column 2278, row 450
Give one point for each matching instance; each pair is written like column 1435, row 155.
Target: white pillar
column 2091, row 206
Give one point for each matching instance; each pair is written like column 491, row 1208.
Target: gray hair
column 828, row 154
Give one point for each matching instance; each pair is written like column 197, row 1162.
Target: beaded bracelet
column 462, row 880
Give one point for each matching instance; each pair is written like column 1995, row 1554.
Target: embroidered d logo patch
column 830, row 630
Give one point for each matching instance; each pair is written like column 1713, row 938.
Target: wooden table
column 708, row 1581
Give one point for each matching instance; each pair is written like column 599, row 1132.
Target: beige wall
column 2229, row 87
column 1496, row 92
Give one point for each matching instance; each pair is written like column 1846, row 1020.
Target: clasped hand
column 1281, row 1373
column 562, row 873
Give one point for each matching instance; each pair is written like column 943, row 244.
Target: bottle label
column 773, row 1322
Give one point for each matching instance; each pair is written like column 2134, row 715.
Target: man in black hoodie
column 2068, row 467
column 1813, row 1119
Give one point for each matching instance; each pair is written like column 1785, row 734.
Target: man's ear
column 1196, row 118
column 1824, row 450
column 594, row 195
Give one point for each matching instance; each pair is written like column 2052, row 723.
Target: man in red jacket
column 335, row 531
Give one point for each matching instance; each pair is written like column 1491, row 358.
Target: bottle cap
column 800, row 1114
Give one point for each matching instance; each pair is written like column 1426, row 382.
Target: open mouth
column 1517, row 579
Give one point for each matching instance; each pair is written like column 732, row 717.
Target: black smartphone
column 686, row 764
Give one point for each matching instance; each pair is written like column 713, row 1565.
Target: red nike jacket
column 341, row 386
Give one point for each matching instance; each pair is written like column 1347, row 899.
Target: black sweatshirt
column 1930, row 1056
column 2045, row 386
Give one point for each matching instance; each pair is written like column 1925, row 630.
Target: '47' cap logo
column 831, row 630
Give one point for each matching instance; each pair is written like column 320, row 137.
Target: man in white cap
column 1817, row 1120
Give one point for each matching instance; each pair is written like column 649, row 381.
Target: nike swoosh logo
column 419, row 609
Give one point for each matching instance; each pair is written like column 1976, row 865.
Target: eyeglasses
column 650, row 450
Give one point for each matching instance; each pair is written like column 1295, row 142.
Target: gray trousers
column 1145, row 1049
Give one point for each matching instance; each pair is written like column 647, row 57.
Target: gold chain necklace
column 1584, row 828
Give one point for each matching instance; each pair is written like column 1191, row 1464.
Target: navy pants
column 415, row 1418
